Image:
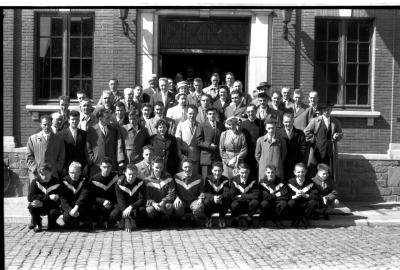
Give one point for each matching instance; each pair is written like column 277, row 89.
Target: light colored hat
column 178, row 95
column 181, row 84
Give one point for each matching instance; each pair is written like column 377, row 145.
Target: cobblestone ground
column 357, row 247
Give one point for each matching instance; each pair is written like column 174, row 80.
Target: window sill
column 370, row 115
column 37, row 110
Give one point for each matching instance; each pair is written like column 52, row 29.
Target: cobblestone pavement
column 356, row 247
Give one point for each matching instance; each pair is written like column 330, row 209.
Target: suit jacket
column 86, row 122
column 98, row 146
column 167, row 149
column 192, row 99
column 133, row 142
column 301, row 117
column 239, row 111
column 169, row 102
column 150, row 125
column 143, row 170
column 205, row 136
column 221, row 108
column 150, row 91
column 186, row 140
column 74, row 150
column 40, row 151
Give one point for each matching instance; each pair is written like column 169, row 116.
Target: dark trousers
column 302, row 207
column 74, row 221
column 211, row 207
column 272, row 209
column 102, row 214
column 136, row 214
column 52, row 212
column 239, row 207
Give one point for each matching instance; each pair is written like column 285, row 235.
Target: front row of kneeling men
column 108, row 198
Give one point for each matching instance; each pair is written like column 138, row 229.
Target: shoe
column 31, row 226
column 53, row 226
column 221, row 223
column 105, row 225
column 37, row 228
column 305, row 222
column 208, row 223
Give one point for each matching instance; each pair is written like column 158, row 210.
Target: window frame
column 65, row 72
column 342, row 61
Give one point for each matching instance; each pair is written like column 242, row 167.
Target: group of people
column 185, row 152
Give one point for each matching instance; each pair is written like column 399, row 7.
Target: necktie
column 105, row 130
column 74, row 134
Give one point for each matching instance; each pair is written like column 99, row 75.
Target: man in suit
column 139, row 97
column 194, row 98
column 87, row 118
column 264, row 112
column 115, row 96
column 299, row 111
column 45, row 147
column 237, row 107
column 159, row 114
column 106, row 103
column 323, row 132
column 212, row 90
column 144, row 166
column 287, row 101
column 222, row 102
column 104, row 140
column 295, row 145
column 264, row 87
column 246, row 97
column 166, row 97
column 207, row 137
column 186, row 138
column 153, row 86
column 252, row 128
column 119, row 118
column 128, row 99
column 74, row 142
column 313, row 110
column 63, row 101
column 205, row 103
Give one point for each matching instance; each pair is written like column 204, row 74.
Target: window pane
column 352, row 31
column 364, row 32
column 87, row 87
column 74, row 86
column 333, row 32
column 44, row 89
column 363, row 53
column 45, row 24
column 75, row 49
column 75, row 26
column 56, row 47
column 56, row 26
column 351, row 73
column 320, row 30
column 352, row 52
column 333, row 73
column 87, row 26
column 332, row 93
column 44, row 50
column 75, row 68
column 363, row 73
column 56, row 68
column 44, row 68
column 320, row 73
column 333, row 52
column 320, row 51
column 351, row 97
column 87, row 47
column 363, row 94
column 86, row 68
column 55, row 88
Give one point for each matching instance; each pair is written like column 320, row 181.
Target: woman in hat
column 232, row 146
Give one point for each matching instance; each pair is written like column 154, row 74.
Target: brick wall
column 8, row 68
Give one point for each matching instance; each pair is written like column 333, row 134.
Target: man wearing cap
column 153, row 87
column 264, row 87
column 323, row 132
column 178, row 113
column 166, row 97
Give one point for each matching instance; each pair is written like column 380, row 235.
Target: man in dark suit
column 104, row 139
column 166, row 97
column 237, row 107
column 153, row 87
column 295, row 145
column 252, row 129
column 299, row 111
column 222, row 102
column 75, row 142
column 207, row 137
column 194, row 98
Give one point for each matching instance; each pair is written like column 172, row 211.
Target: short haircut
column 55, row 115
column 243, row 166
column 107, row 91
column 262, row 95
column 113, row 79
column 74, row 114
column 215, row 74
column 131, row 167
column 45, row 166
column 86, row 99
column 148, row 147
column 193, row 107
column 323, row 167
column 229, row 73
column 288, row 115
column 135, row 113
column 159, row 103
column 277, row 92
column 223, row 87
column 127, row 90
column 63, row 98
column 298, row 92
column 75, row 165
column 81, row 92
column 270, row 121
column 120, row 104
column 252, row 105
column 301, row 165
column 163, row 79
column 160, row 122
column 197, row 79
column 157, row 159
column 186, row 159
column 271, row 167
column 101, row 113
column 313, row 92
column 288, row 88
column 148, row 105
column 217, row 164
column 237, row 81
column 235, row 92
column 106, row 160
column 206, row 95
column 209, row 109
column 45, row 116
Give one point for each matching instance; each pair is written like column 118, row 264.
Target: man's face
column 64, row 105
column 299, row 172
column 133, row 120
column 105, row 169
column 57, row 121
column 285, row 93
column 313, row 99
column 74, row 173
column 73, row 122
column 138, row 91
column 158, row 110
column 191, row 115
column 235, row 99
column 45, row 175
column 251, row 112
column 147, row 155
column 327, row 111
column 162, row 129
column 205, row 102
column 113, row 85
column 270, row 128
column 270, row 174
column 187, row 168
column 198, row 86
column 163, row 86
column 184, row 89
column 153, row 83
column 229, row 79
column 157, row 169
column 120, row 111
column 297, row 98
column 243, row 173
column 211, row 116
column 323, row 174
column 171, row 83
column 276, row 99
column 128, row 96
column 130, row 175
column 107, row 99
column 263, row 102
column 85, row 107
column 214, row 80
column 80, row 97
column 288, row 122
column 146, row 112
column 217, row 172
column 223, row 93
column 105, row 120
column 45, row 125
column 238, row 86
column 182, row 100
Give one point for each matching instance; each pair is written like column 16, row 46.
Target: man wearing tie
column 299, row 115
column 166, row 97
column 88, row 119
column 75, row 142
column 144, row 166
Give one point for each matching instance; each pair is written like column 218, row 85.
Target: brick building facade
column 370, row 150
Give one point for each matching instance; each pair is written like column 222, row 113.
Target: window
column 65, row 55
column 343, row 61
